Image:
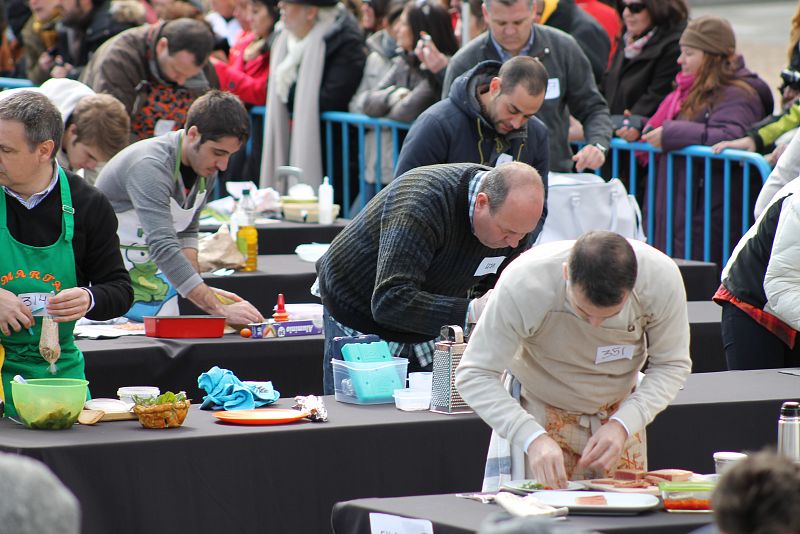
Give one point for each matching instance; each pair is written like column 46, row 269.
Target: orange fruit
column 246, row 332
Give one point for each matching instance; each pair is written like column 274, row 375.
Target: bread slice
column 673, row 475
column 629, row 474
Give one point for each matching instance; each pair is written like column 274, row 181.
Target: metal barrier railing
column 747, row 160
column 362, row 124
column 15, row 83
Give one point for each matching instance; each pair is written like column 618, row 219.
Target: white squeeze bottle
column 325, row 202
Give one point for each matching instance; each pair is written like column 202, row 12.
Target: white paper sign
column 489, row 265
column 553, row 89
column 503, row 158
column 36, row 302
column 614, row 352
column 393, row 524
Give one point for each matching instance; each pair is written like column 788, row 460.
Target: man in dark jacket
column 87, row 24
column 571, row 88
column 487, row 119
column 589, row 34
column 156, row 71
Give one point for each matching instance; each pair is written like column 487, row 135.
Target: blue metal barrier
column 15, row 83
column 747, row 161
column 362, row 124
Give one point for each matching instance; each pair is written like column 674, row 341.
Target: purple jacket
column 729, row 118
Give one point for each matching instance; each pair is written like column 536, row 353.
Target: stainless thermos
column 789, row 431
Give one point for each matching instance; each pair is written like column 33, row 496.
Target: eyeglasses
column 633, row 7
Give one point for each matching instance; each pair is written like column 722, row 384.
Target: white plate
column 108, row 405
column 518, row 485
column 618, row 503
column 312, row 251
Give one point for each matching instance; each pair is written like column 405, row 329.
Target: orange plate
column 260, row 417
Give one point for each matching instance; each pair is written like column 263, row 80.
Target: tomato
column 246, row 332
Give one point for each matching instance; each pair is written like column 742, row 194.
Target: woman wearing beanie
column 716, row 98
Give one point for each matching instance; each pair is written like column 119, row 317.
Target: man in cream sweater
column 575, row 336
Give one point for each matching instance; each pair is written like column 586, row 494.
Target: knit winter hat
column 710, row 34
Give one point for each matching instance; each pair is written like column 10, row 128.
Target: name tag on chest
column 553, row 89
column 489, row 265
column 36, row 302
column 613, row 352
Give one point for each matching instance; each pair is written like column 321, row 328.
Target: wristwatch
column 601, row 148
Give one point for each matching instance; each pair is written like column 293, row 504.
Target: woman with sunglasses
column 645, row 63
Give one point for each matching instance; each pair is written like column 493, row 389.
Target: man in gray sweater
column 571, row 88
column 157, row 188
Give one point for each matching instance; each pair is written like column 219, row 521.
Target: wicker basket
column 162, row 415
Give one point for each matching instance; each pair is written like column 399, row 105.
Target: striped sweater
column 402, row 268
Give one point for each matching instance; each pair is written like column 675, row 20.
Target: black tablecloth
column 454, row 515
column 207, row 477
column 294, row 365
column 279, row 273
column 211, row 477
column 283, row 237
column 700, row 278
column 705, row 344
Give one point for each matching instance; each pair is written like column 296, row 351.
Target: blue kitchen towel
column 224, row 390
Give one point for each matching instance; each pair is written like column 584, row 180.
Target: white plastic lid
column 139, row 391
column 725, row 456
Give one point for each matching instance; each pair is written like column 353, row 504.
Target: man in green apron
column 60, row 254
column 157, row 188
column 574, row 322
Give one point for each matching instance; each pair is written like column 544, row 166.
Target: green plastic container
column 49, row 403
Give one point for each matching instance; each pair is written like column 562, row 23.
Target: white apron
column 153, row 294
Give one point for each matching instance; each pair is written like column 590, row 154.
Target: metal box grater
column 444, row 396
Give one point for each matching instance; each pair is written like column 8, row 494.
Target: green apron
column 38, row 270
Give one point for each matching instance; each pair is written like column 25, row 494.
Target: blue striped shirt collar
column 36, row 198
column 474, row 187
column 504, row 54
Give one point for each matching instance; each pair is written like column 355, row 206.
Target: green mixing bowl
column 49, row 403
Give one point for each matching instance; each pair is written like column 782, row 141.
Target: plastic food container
column 49, row 403
column 421, row 381
column 368, row 382
column 127, row 393
column 687, row 496
column 184, row 326
column 411, row 400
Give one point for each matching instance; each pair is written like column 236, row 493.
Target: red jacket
column 607, row 16
column 247, row 80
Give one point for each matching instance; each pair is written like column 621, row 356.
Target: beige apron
column 573, row 346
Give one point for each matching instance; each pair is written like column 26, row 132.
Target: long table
column 205, row 476
column 705, row 343
column 454, row 515
column 283, row 237
column 700, row 278
column 213, row 477
column 277, row 273
column 294, row 365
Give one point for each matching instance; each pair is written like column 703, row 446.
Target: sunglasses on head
column 633, row 7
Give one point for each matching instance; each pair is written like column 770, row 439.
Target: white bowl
column 411, row 400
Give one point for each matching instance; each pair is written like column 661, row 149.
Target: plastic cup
column 723, row 460
column 420, row 381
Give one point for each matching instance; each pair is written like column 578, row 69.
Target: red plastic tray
column 184, row 326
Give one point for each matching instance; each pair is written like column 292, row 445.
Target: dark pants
column 748, row 345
